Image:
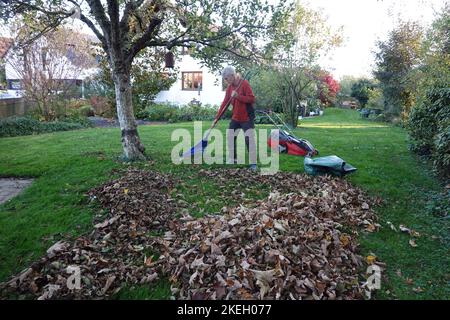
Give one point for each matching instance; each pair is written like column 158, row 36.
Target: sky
column 365, row 22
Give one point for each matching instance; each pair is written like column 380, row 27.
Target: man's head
column 229, row 74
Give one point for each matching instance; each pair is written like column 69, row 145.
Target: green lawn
column 67, row 164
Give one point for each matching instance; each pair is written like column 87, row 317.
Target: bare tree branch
column 99, row 13
column 143, row 41
column 91, row 25
column 27, row 5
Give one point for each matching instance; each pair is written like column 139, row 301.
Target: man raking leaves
column 240, row 95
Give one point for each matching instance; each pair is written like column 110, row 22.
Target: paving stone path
column 11, row 187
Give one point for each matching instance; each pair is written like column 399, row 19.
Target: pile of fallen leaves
column 140, row 197
column 115, row 251
column 299, row 243
column 334, row 190
column 289, row 246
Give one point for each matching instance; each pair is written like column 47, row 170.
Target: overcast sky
column 365, row 22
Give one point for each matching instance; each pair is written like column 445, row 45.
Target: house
column 49, row 63
column 194, row 82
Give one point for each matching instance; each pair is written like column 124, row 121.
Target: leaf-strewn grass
column 67, row 164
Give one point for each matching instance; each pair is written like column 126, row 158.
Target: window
column 14, row 85
column 192, row 80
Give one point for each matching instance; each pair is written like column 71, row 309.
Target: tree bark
column 132, row 146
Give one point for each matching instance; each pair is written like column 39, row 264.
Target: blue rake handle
column 200, row 146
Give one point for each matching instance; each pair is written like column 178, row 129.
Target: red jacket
column 245, row 96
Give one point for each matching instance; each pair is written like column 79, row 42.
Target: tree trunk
column 132, row 146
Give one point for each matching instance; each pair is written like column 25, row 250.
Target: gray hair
column 228, row 71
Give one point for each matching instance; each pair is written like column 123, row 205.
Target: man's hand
column 234, row 94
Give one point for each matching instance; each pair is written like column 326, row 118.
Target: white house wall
column 11, row 72
column 211, row 92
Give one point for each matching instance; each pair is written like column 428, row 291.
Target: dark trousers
column 249, row 132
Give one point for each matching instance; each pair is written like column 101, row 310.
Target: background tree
column 360, row 90
column 346, row 83
column 148, row 78
column 2, row 75
column 2, row 71
column 376, row 100
column 298, row 44
column 49, row 66
column 328, row 89
column 268, row 94
column 219, row 29
column 396, row 62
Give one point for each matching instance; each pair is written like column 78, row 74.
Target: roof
column 5, row 44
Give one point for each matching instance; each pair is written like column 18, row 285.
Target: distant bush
column 21, row 126
column 103, row 106
column 197, row 112
column 193, row 111
column 87, row 111
column 158, row 112
column 263, row 119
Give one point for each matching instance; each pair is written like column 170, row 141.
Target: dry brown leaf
column 108, row 283
column 371, row 259
column 345, row 240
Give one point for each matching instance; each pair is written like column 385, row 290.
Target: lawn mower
column 290, row 144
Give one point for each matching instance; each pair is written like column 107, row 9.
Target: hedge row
column 21, row 126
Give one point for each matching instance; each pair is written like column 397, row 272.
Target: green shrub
column 441, row 155
column 426, row 117
column 172, row 113
column 21, row 126
column 158, row 112
column 263, row 119
column 87, row 111
column 429, row 125
column 197, row 112
column 103, row 106
column 439, row 204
